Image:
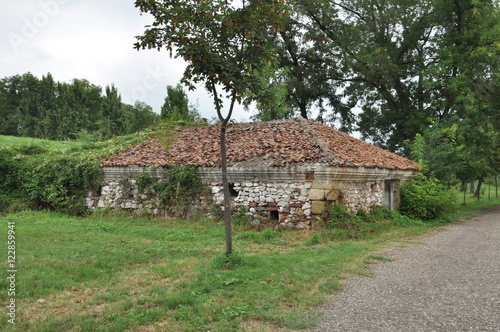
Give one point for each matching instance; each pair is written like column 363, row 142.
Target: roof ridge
column 330, row 157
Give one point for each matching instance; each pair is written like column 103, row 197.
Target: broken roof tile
column 276, row 143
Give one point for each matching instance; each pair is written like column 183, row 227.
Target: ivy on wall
column 42, row 174
column 58, row 183
column 177, row 187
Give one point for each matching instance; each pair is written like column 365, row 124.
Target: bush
column 177, row 187
column 425, row 199
column 339, row 218
column 61, row 184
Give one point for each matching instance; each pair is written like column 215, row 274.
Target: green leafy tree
column 45, row 108
column 82, row 100
column 379, row 51
column 270, row 95
column 139, row 117
column 176, row 105
column 404, row 64
column 28, row 106
column 223, row 43
column 9, row 105
column 112, row 115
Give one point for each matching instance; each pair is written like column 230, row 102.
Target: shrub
column 178, row 186
column 383, row 213
column 61, row 184
column 31, row 149
column 144, row 182
column 339, row 218
column 176, row 189
column 47, row 176
column 425, row 199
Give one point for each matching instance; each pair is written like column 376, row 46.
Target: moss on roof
column 274, row 144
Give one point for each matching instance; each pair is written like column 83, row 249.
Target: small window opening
column 232, row 192
column 274, row 215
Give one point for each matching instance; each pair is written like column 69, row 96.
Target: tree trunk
column 496, row 186
column 464, row 189
column 303, row 110
column 478, row 188
column 489, row 188
column 471, row 191
column 223, row 158
column 225, row 185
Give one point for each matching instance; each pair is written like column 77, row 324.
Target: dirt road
column 450, row 281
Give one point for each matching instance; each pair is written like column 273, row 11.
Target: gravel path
column 449, row 282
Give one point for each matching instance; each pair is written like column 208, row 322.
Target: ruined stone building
column 287, row 171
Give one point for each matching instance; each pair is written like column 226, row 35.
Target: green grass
column 42, row 150
column 113, row 272
column 473, row 205
column 12, row 141
column 118, row 273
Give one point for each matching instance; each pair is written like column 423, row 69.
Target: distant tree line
column 44, row 108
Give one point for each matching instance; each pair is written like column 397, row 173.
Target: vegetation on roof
column 276, row 143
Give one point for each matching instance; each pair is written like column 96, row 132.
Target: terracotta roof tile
column 276, row 143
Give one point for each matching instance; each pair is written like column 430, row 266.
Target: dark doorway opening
column 274, row 215
column 232, row 192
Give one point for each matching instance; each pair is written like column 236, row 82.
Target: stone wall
column 296, row 204
column 286, row 203
column 291, row 197
column 124, row 194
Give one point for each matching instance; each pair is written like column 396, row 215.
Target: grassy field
column 12, row 141
column 112, row 272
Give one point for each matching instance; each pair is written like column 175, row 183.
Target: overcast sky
column 93, row 40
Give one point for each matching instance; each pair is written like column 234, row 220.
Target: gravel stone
column 449, row 281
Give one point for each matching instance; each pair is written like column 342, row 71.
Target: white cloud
column 93, row 40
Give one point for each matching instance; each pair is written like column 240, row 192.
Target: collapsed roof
column 274, row 144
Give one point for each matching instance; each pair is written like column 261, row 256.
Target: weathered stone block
column 326, row 186
column 301, row 225
column 317, row 194
column 317, row 207
column 282, row 203
column 332, row 195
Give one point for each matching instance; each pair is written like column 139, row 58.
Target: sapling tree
column 223, row 43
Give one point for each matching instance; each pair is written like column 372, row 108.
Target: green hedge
column 426, row 199
column 57, row 182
